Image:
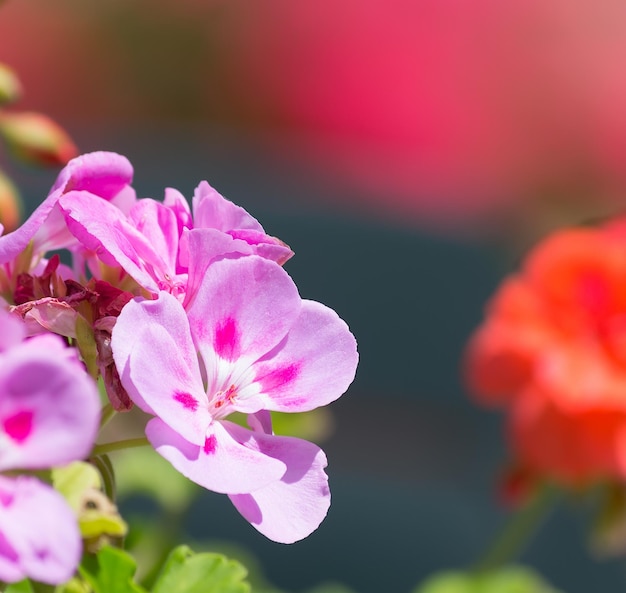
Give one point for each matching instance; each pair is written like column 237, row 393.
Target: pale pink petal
column 12, row 330
column 291, row 508
column 212, row 211
column 164, row 369
column 39, row 536
column 199, row 248
column 49, row 410
column 260, row 421
column 264, row 245
column 159, row 226
column 228, row 462
column 105, row 230
column 164, row 312
column 125, row 200
column 104, row 174
column 177, row 203
column 313, row 365
column 242, row 310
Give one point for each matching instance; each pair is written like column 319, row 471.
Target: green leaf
column 111, row 571
column 186, row 572
column 512, row 579
column 24, row 586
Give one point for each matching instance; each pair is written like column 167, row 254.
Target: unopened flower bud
column 10, row 204
column 10, row 87
column 34, row 138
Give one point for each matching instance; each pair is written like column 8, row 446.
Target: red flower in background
column 552, row 351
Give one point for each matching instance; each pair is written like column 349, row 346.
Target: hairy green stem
column 119, row 446
column 107, row 412
column 509, row 544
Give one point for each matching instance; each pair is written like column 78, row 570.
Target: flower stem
column 107, row 412
column 119, row 446
column 517, row 533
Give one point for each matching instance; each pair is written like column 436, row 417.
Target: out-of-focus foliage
column 512, row 579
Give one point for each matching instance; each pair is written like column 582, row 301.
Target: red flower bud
column 36, row 139
column 10, row 87
column 10, row 204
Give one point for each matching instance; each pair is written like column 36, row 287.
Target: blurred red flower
column 446, row 110
column 552, row 352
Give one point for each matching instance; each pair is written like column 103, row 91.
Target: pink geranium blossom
column 49, row 416
column 247, row 343
column 161, row 245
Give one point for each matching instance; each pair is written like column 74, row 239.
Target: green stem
column 103, row 464
column 119, row 446
column 107, row 412
column 516, row 534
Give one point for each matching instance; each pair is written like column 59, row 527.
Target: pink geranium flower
column 49, row 416
column 161, row 245
column 247, row 343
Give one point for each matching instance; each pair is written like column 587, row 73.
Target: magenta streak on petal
column 278, row 377
column 210, row 444
column 227, row 339
column 187, row 400
column 19, row 426
column 7, row 550
column 6, row 498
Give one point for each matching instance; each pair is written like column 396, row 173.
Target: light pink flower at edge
column 49, row 415
column 247, row 343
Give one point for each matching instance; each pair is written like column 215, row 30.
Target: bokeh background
column 409, row 151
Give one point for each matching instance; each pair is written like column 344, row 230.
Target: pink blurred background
column 451, row 114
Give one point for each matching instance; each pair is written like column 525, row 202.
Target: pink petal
column 199, row 248
column 159, row 227
column 164, row 369
column 104, row 174
column 292, row 508
column 12, row 330
column 312, row 367
column 105, row 230
column 127, row 337
column 242, row 310
column 177, row 203
column 212, row 211
column 39, row 536
column 228, row 462
column 49, row 411
column 264, row 245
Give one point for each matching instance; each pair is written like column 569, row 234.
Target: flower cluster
column 552, row 351
column 49, row 414
column 187, row 313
